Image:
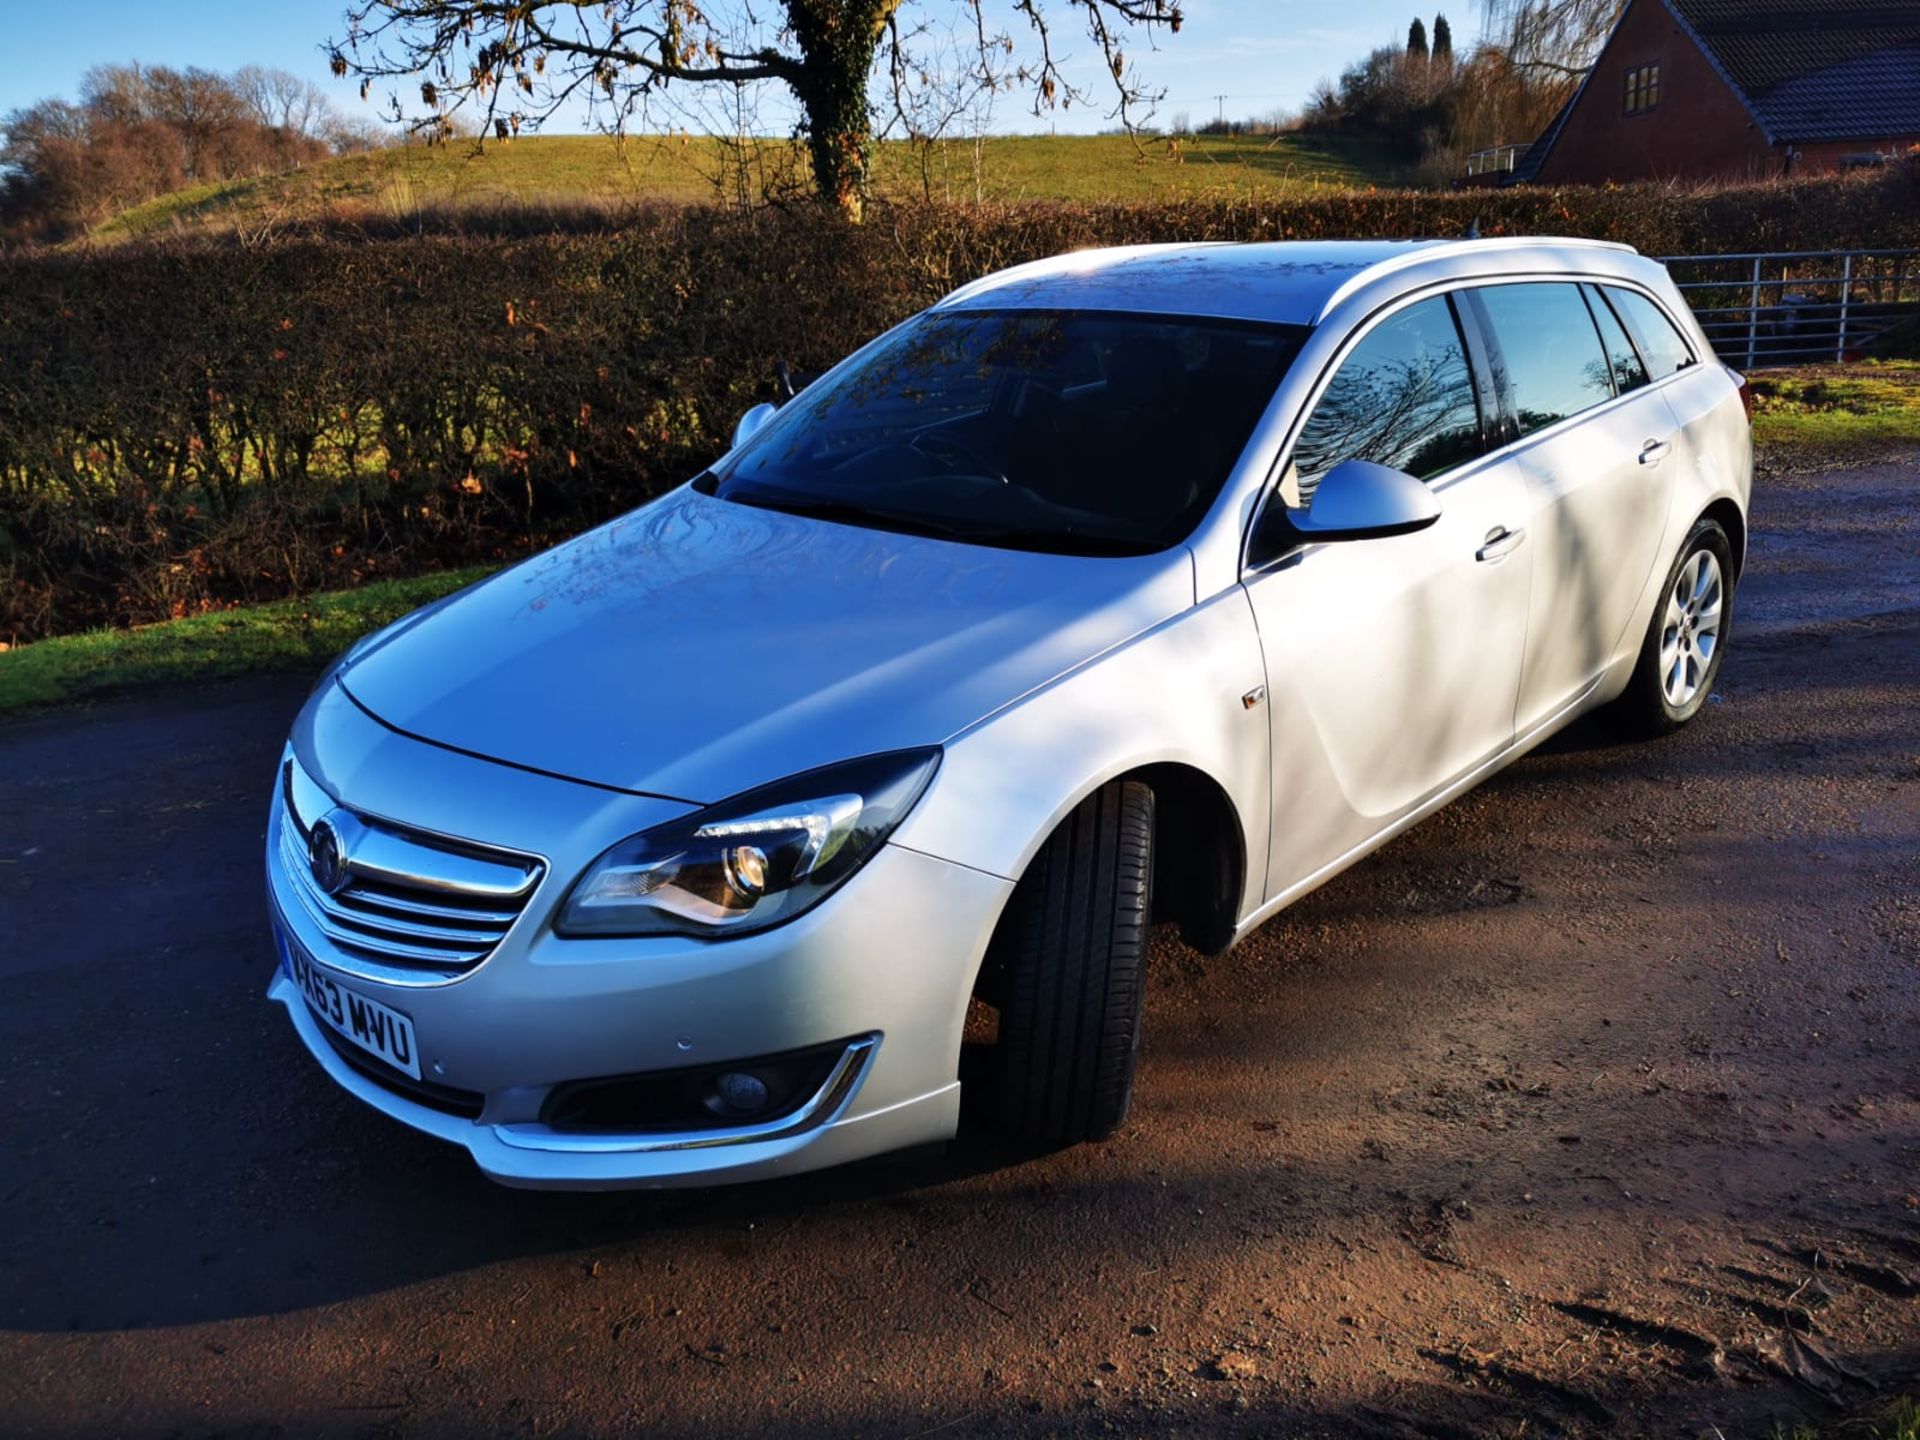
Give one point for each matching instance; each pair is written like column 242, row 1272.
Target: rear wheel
column 1680, row 657
column 1071, row 957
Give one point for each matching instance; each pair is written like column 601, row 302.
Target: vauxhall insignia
column 327, row 859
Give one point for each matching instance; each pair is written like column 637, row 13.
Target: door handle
column 1652, row 452
column 1499, row 544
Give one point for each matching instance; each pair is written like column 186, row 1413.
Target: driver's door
column 1393, row 663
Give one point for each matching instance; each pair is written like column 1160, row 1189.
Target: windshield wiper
column 848, row 512
column 1057, row 542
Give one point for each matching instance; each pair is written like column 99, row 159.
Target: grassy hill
column 563, row 170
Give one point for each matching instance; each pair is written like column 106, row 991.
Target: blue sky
column 1261, row 54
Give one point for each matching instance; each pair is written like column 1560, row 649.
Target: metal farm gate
column 1799, row 307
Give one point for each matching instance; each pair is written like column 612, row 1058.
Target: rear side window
column 1549, row 349
column 1628, row 372
column 1403, row 397
column 1659, row 341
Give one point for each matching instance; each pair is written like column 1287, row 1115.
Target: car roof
column 1290, row 282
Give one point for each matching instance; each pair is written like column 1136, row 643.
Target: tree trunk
column 837, row 41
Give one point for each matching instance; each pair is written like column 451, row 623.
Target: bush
column 186, row 427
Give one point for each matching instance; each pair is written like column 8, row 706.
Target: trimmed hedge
column 191, row 426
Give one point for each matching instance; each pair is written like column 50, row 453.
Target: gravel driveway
column 1590, row 1105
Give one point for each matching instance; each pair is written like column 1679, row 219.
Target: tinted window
column 1402, row 397
column 1628, row 372
column 1666, row 352
column 1034, row 429
column 1549, row 350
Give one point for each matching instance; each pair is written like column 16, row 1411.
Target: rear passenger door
column 1590, row 443
column 1713, row 441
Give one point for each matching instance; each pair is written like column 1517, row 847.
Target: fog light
column 744, row 1091
column 740, row 1093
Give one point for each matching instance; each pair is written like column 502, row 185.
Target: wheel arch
column 1200, row 848
column 1200, row 854
column 1199, row 867
column 1177, row 707
column 1734, row 521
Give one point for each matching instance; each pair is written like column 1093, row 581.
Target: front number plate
column 378, row 1029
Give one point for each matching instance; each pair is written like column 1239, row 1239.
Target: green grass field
column 565, row 170
column 255, row 639
column 1835, row 407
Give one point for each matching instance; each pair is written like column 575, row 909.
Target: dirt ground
column 1590, row 1106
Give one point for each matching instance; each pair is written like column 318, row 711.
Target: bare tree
column 202, row 107
column 1557, row 37
column 515, row 63
column 119, row 94
column 43, row 160
column 140, row 131
column 942, row 83
column 280, row 100
column 350, row 135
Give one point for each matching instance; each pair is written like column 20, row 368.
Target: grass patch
column 1896, row 1420
column 283, row 635
column 1111, row 168
column 568, row 170
column 1839, row 407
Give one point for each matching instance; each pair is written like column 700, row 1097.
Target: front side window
column 1643, row 88
column 1546, row 344
column 1082, row 431
column 1402, row 397
column 1659, row 341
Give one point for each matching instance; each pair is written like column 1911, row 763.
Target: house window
column 1643, row 88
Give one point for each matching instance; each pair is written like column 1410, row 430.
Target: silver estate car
column 1135, row 585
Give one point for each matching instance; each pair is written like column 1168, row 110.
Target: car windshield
column 1078, row 432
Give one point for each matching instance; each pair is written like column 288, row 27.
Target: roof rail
column 1428, row 252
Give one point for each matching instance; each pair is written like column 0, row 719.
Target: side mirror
column 751, row 422
column 1360, row 500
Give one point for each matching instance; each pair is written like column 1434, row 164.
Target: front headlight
column 752, row 861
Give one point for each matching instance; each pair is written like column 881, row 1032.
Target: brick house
column 1738, row 89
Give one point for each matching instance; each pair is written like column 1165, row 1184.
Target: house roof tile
column 1816, row 69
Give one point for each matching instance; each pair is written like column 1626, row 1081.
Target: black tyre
column 1071, row 959
column 1680, row 657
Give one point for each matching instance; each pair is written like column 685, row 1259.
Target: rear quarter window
column 1628, row 371
column 1660, row 342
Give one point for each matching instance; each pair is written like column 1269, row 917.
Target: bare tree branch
column 1560, row 37
column 513, row 64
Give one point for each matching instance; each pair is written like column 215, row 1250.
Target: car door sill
column 1445, row 795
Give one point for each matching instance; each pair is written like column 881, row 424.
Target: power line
column 1194, row 99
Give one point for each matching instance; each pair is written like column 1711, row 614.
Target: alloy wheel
column 1691, row 631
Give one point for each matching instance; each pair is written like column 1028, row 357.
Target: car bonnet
column 698, row 647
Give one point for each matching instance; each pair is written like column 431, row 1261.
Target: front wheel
column 1680, row 657
column 1072, row 957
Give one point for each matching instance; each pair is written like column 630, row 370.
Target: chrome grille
column 411, row 903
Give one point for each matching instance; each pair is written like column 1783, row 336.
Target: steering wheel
column 932, row 443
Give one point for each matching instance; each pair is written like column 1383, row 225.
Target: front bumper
column 526, row 1157
column 890, row 959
